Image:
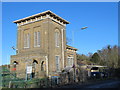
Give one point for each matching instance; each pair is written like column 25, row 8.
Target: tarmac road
column 100, row 84
column 111, row 84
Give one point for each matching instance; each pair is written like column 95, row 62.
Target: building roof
column 70, row 47
column 42, row 14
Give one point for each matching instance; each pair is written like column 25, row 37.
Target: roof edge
column 70, row 47
column 40, row 14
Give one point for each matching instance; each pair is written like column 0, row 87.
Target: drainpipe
column 46, row 65
column 62, row 48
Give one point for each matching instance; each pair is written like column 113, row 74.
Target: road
column 93, row 85
column 111, row 84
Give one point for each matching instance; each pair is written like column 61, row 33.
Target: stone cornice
column 41, row 16
column 36, row 20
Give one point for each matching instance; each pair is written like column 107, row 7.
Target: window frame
column 57, row 38
column 37, row 39
column 26, row 40
column 70, row 61
column 57, row 62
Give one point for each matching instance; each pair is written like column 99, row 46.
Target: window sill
column 36, row 46
column 26, row 47
column 57, row 46
column 58, row 71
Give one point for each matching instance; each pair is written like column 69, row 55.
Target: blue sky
column 100, row 17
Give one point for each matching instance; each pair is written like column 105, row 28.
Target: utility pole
column 74, row 71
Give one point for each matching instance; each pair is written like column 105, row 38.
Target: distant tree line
column 107, row 56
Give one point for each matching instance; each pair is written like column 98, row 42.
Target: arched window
column 57, row 38
column 35, row 63
column 14, row 65
column 42, row 66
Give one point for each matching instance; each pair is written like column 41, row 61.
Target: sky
column 101, row 18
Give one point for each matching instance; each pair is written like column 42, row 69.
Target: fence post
column 51, row 82
column 9, row 84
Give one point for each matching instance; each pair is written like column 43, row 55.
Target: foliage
column 95, row 58
column 83, row 59
column 109, row 56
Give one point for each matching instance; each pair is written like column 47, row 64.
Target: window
column 34, row 67
column 26, row 40
column 36, row 39
column 57, row 58
column 57, row 39
column 15, row 65
column 35, row 63
column 42, row 66
column 70, row 61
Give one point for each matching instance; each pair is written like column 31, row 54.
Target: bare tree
column 109, row 56
column 68, row 40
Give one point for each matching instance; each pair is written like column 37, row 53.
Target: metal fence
column 53, row 81
column 79, row 76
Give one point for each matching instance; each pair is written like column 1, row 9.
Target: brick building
column 41, row 46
